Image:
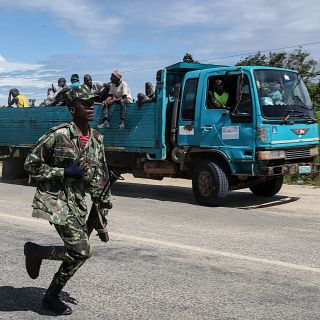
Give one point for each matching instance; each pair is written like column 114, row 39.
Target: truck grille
column 297, row 153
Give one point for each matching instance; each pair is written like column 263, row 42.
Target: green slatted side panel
column 25, row 126
column 141, row 128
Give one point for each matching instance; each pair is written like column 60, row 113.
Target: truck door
column 188, row 124
column 222, row 128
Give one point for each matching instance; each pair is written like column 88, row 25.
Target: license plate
column 304, row 169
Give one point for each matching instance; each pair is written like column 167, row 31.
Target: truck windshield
column 282, row 95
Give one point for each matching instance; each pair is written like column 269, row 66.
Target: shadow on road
column 28, row 298
column 235, row 199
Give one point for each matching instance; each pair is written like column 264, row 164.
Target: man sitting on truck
column 18, row 99
column 55, row 94
column 101, row 90
column 218, row 98
column 150, row 91
column 75, row 82
column 119, row 93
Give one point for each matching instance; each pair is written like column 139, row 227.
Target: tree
column 314, row 91
column 189, row 59
column 298, row 60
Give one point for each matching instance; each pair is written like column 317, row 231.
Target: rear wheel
column 269, row 187
column 209, row 183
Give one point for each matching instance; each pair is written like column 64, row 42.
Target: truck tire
column 268, row 188
column 13, row 168
column 209, row 183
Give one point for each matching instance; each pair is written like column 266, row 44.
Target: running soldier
column 66, row 162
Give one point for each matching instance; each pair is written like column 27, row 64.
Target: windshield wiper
column 289, row 113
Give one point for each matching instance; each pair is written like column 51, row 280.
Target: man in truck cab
column 18, row 99
column 218, row 98
column 119, row 93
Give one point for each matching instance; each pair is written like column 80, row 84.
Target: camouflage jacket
column 57, row 196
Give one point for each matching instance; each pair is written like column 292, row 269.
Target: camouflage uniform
column 60, row 199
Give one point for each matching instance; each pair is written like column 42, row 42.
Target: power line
column 223, row 57
column 267, row 50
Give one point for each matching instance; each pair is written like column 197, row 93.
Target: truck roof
column 187, row 66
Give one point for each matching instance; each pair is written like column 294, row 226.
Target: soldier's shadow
column 27, row 299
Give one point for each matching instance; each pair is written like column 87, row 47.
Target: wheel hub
column 205, row 183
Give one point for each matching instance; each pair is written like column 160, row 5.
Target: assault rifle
column 96, row 220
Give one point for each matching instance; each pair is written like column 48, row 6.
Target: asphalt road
column 169, row 258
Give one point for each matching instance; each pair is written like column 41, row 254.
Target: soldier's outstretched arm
column 36, row 163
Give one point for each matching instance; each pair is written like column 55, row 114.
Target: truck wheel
column 268, row 188
column 13, row 168
column 209, row 183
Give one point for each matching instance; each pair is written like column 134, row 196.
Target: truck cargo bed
column 21, row 128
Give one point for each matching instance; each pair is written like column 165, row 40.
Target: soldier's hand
column 106, row 205
column 75, row 171
column 103, row 233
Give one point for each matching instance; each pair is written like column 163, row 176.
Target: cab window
column 229, row 91
column 189, row 99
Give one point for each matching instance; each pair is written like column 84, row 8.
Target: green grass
column 305, row 179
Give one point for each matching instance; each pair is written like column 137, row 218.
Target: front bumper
column 292, row 168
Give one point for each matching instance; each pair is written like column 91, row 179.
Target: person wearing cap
column 75, row 81
column 119, row 93
column 66, row 162
column 17, row 99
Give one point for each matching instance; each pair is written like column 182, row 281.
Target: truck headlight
column 314, row 151
column 271, row 155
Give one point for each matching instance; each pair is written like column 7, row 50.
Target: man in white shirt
column 119, row 93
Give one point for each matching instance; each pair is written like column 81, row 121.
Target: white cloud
column 82, row 19
column 7, row 66
column 145, row 34
column 30, row 82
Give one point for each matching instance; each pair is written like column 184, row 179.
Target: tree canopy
column 188, row 58
column 298, row 60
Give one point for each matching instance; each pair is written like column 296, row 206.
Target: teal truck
column 269, row 130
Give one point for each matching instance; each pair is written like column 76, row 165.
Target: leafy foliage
column 189, row 59
column 314, row 91
column 298, row 60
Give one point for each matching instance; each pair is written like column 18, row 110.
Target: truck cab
column 267, row 130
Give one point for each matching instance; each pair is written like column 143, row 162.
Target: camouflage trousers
column 76, row 250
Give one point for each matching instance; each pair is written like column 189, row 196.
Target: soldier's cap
column 75, row 77
column 81, row 92
column 117, row 74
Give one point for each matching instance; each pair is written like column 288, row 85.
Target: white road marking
column 182, row 246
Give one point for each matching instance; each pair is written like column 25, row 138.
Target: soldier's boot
column 35, row 254
column 52, row 302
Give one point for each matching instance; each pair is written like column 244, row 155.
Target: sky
column 44, row 40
